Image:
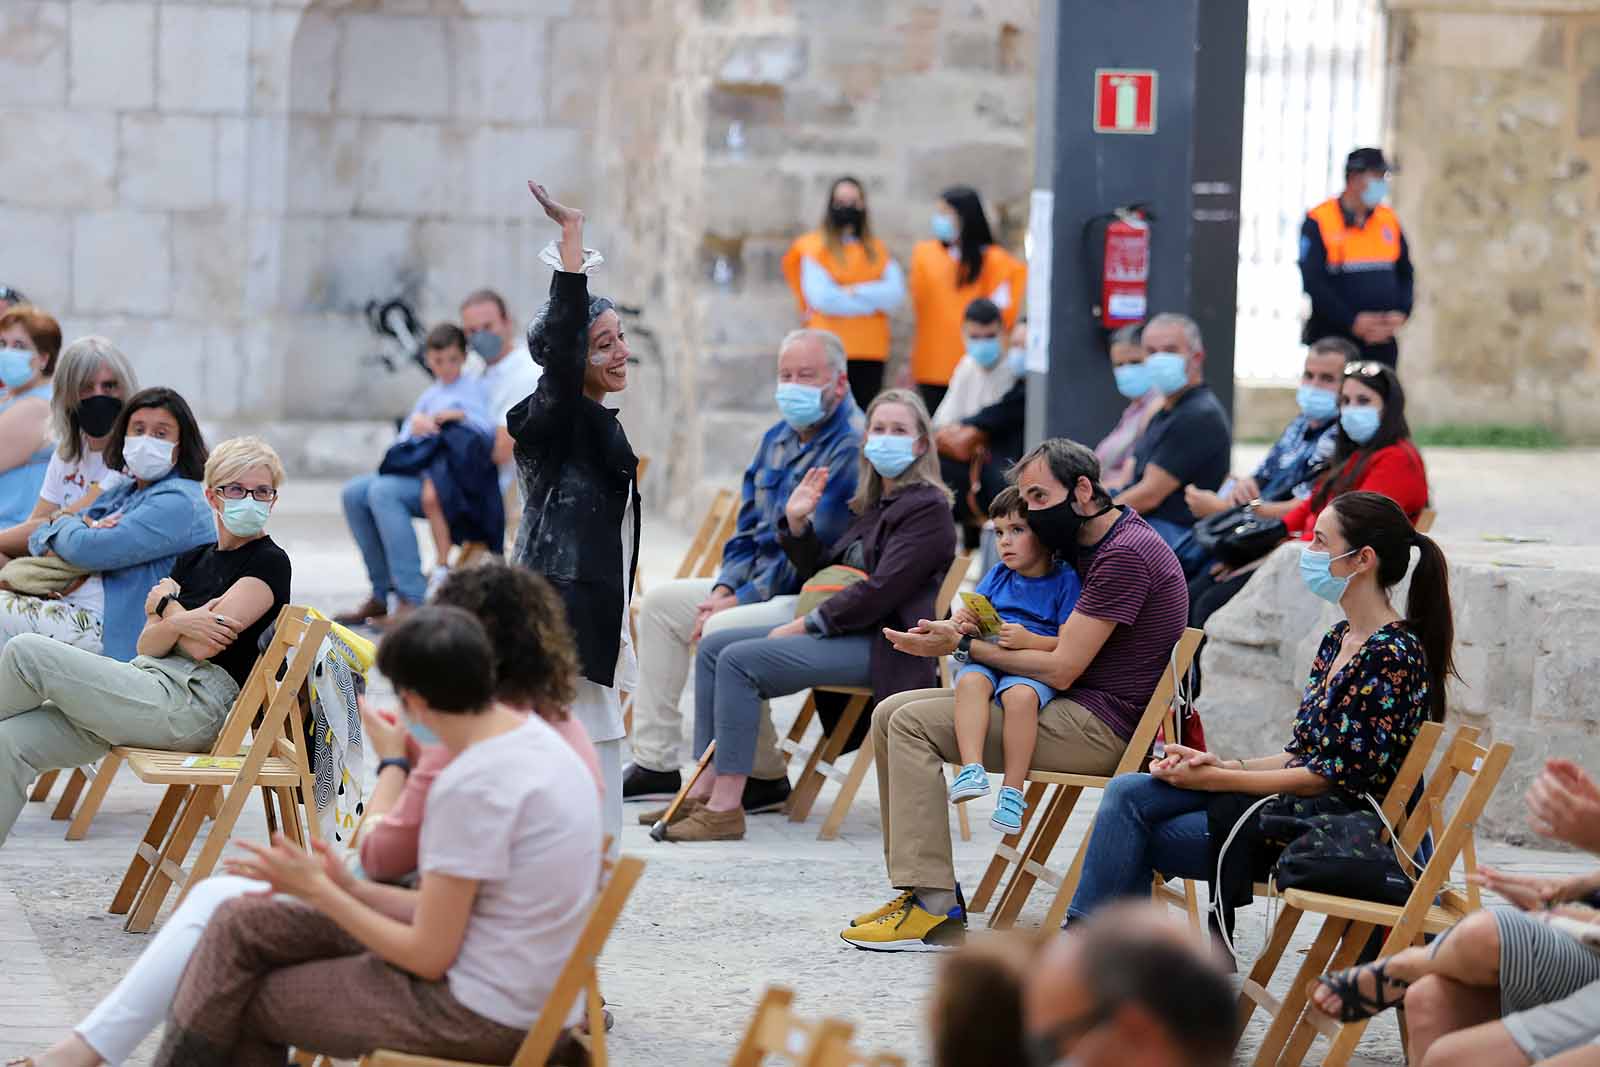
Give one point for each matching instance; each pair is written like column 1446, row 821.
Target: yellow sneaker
column 888, row 909
column 910, row 929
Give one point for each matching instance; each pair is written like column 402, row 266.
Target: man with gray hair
column 1188, row 441
column 821, row 427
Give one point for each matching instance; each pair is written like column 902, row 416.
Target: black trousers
column 1206, row 597
column 866, row 380
column 932, row 395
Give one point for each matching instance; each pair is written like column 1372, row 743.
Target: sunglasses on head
column 1366, row 368
column 11, row 296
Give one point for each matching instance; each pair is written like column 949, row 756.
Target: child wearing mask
column 1033, row 593
column 986, row 371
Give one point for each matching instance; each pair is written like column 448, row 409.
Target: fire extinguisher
column 1117, row 246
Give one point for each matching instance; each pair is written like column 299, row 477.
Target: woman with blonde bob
column 92, row 380
column 899, row 548
column 62, row 706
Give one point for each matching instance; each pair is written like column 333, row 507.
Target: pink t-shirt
column 389, row 846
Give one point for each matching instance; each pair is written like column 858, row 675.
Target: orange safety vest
column 864, row 336
column 1375, row 246
column 939, row 303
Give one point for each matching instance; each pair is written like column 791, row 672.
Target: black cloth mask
column 98, row 414
column 846, row 216
column 1058, row 525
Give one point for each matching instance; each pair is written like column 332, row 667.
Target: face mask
column 801, row 405
column 1361, row 424
column 944, row 228
column 1169, row 372
column 1017, row 360
column 1316, row 404
column 890, row 453
column 846, row 216
column 1058, row 525
column 148, row 458
column 984, row 351
column 1376, row 190
column 423, row 735
column 245, row 518
column 98, row 414
column 487, row 344
column 16, row 366
column 1314, row 572
column 1133, row 379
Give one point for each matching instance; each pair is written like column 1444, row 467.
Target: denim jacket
column 754, row 565
column 158, row 523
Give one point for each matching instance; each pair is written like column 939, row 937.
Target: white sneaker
column 435, row 580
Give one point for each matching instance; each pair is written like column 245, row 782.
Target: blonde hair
column 924, row 470
column 79, row 362
column 238, row 454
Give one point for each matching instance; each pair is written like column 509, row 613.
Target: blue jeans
column 1144, row 825
column 1171, row 532
column 379, row 509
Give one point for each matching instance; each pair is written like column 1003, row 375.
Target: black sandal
column 1354, row 1005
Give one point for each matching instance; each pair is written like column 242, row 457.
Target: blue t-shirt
column 468, row 395
column 1041, row 604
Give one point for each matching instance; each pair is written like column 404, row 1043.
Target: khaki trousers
column 914, row 736
column 666, row 623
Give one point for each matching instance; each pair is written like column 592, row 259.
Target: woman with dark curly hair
column 535, row 668
column 580, row 520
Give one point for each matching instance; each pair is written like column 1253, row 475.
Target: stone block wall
column 1496, row 124
column 1527, row 623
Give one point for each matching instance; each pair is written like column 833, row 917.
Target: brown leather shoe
column 371, row 611
column 650, row 818
column 401, row 612
column 703, row 824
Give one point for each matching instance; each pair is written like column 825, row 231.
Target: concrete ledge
column 316, row 448
column 1527, row 627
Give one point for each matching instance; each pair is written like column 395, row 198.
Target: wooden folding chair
column 1348, row 923
column 702, row 559
column 1053, row 814
column 775, row 1030
column 820, row 759
column 578, row 977
column 1424, row 521
column 1400, row 790
column 276, row 761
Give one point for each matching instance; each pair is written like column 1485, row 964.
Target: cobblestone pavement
column 710, row 925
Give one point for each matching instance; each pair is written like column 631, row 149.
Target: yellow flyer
column 988, row 618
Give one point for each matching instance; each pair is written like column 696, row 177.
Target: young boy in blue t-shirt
column 1033, row 593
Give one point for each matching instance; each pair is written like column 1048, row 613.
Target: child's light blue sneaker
column 973, row 781
column 1007, row 817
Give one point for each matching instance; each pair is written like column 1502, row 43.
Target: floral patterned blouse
column 1356, row 728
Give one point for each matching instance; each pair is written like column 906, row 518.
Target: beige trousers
column 914, row 736
column 666, row 623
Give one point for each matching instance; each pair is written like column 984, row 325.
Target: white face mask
column 148, row 458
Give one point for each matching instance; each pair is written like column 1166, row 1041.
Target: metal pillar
column 1187, row 170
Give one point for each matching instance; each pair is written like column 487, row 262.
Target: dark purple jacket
column 908, row 541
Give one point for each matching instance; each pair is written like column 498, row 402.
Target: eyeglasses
column 234, row 491
column 1367, row 368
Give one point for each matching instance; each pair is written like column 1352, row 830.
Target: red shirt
column 1395, row 471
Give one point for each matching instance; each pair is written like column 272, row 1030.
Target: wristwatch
column 161, row 605
column 963, row 652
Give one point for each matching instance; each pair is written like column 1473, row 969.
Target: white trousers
column 140, row 1002
column 666, row 623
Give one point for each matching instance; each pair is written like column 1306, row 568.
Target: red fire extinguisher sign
column 1125, row 278
column 1124, row 101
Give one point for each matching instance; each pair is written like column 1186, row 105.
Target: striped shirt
column 1130, row 578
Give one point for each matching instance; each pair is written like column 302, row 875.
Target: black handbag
column 1333, row 848
column 1239, row 536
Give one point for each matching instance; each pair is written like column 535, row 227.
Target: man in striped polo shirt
column 1110, row 656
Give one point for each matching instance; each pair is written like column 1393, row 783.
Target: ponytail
column 1371, row 520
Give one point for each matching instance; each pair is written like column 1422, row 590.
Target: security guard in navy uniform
column 1354, row 262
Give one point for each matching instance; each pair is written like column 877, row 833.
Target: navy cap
column 1367, row 159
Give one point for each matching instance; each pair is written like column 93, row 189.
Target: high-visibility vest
column 1374, row 246
column 863, row 336
column 939, row 301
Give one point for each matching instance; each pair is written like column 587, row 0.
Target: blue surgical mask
column 1133, row 379
column 890, row 453
column 984, row 351
column 1360, row 423
column 16, row 366
column 944, row 228
column 423, row 735
column 1322, row 582
column 1376, row 190
column 1169, row 372
column 1318, row 405
column 487, row 344
column 1017, row 360
column 245, row 518
column 801, row 405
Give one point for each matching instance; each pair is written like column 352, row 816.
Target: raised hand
column 803, row 501
column 570, row 219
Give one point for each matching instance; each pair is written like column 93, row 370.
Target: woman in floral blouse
column 1377, row 676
